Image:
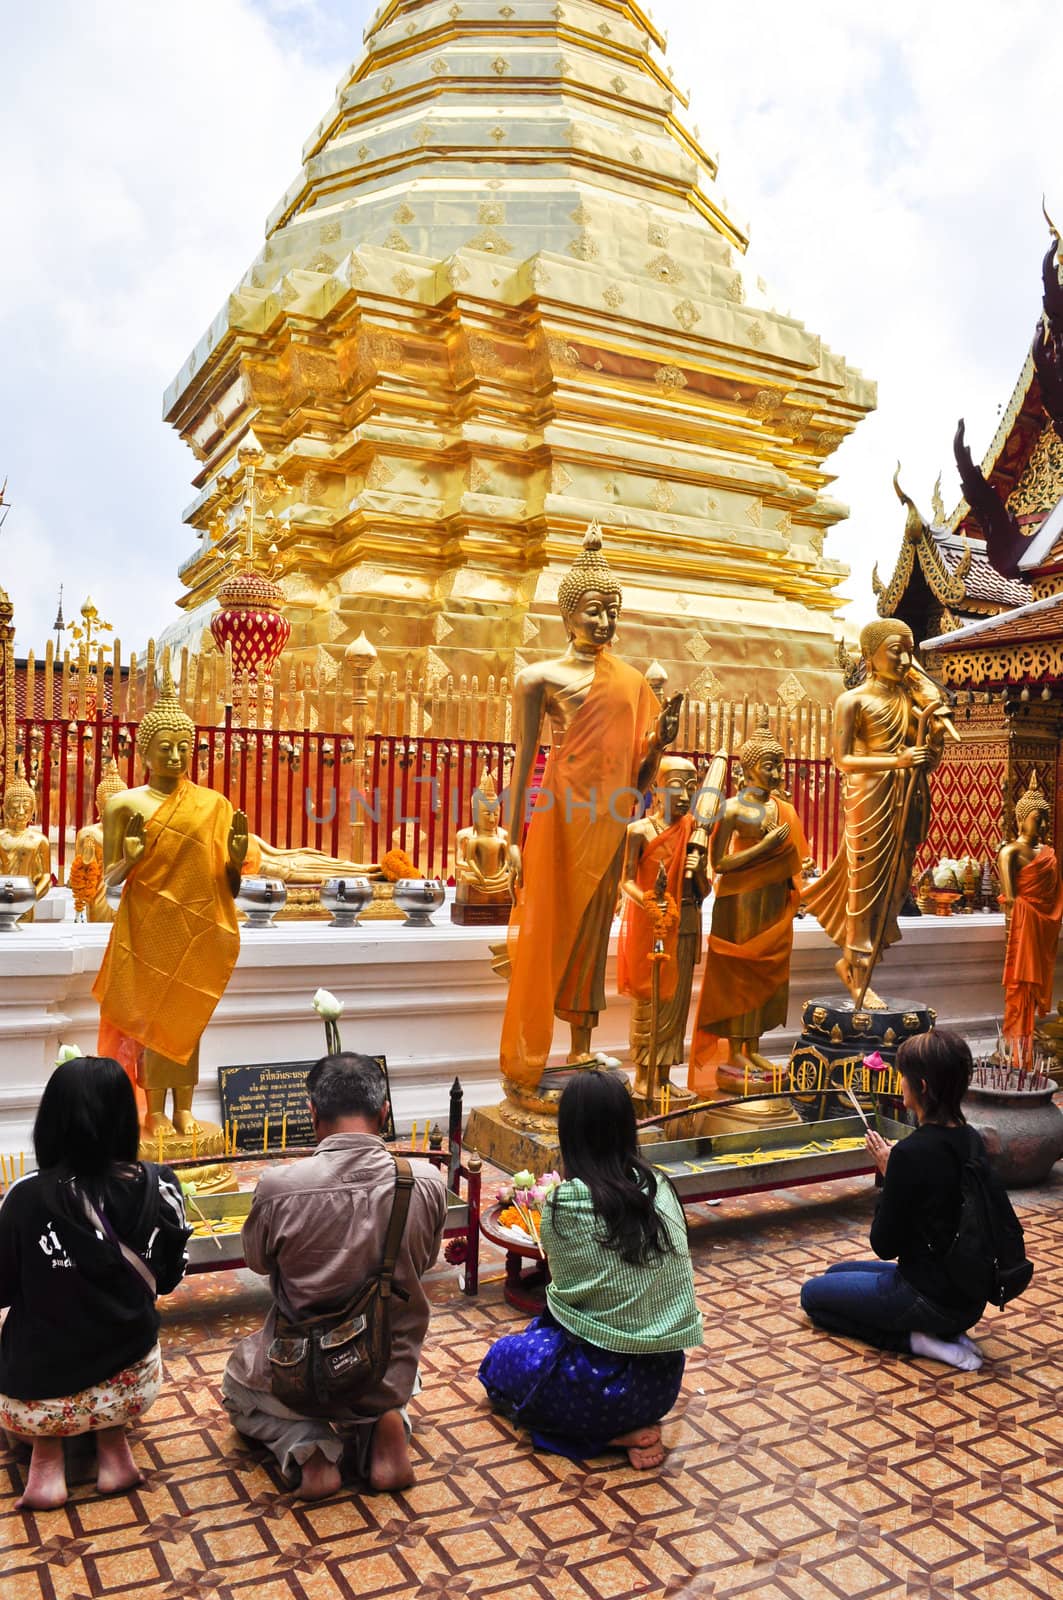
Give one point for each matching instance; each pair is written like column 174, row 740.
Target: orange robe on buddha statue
column 1033, row 938
column 573, row 855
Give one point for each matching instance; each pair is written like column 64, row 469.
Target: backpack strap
column 130, row 1257
column 400, row 1210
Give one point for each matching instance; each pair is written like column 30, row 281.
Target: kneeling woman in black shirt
column 86, row 1243
column 912, row 1306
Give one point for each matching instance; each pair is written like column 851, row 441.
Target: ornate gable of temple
column 504, row 296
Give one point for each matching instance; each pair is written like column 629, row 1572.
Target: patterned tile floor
column 801, row 1468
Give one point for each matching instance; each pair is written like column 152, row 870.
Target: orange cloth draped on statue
column 634, row 969
column 572, row 850
column 744, row 978
column 175, row 937
column 1033, row 938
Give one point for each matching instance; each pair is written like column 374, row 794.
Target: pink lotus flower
column 875, row 1063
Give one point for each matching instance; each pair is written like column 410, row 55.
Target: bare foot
column 637, row 1439
column 320, row 1478
column 46, row 1485
column 116, row 1470
column 644, row 1459
column 390, row 1467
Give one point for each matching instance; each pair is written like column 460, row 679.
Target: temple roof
column 1037, row 620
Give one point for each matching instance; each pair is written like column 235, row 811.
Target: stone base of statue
column 208, row 1141
column 732, row 1080
column 521, row 1132
column 835, row 1039
column 489, row 914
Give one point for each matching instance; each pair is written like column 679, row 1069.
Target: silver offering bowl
column 17, row 896
column 418, row 898
column 260, row 899
column 346, row 898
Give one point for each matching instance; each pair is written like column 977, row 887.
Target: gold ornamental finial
column 1053, row 230
column 590, row 572
column 1033, row 800
column 914, row 522
column 167, row 715
column 91, row 624
column 111, row 783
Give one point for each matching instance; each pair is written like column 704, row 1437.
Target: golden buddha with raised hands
column 608, row 733
column 888, row 737
column 177, row 848
column 24, row 850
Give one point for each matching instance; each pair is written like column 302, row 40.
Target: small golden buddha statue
column 483, row 881
column 608, row 733
column 1032, row 896
column 662, row 839
column 177, row 849
column 86, row 872
column 24, row 850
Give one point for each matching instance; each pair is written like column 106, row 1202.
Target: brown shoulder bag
column 326, row 1363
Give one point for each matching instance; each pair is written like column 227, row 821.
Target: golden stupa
column 503, row 298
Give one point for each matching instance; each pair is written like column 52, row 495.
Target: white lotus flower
column 68, row 1052
column 327, row 1006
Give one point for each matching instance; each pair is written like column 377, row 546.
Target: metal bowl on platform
column 260, row 899
column 17, row 896
column 419, row 898
column 345, row 898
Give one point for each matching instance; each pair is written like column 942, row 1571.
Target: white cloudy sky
column 890, row 161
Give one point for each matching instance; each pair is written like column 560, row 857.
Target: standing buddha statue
column 1032, row 896
column 177, row 849
column 86, row 872
column 888, row 737
column 608, row 732
column 664, row 838
column 24, row 850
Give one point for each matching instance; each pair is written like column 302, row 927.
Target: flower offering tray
column 710, row 1167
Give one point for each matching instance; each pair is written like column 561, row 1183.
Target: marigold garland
column 397, row 865
column 84, row 881
column 663, row 922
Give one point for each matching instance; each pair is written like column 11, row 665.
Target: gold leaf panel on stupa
column 493, row 306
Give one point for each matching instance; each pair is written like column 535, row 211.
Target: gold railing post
column 361, row 656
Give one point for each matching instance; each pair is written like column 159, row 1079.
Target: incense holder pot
column 260, row 899
column 419, row 898
column 1022, row 1129
column 17, row 896
column 345, row 898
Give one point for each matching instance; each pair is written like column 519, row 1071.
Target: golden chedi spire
column 504, row 297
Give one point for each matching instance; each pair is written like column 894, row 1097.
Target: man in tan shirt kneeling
column 317, row 1228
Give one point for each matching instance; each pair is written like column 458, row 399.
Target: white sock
column 965, row 1356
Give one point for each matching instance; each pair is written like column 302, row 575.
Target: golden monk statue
column 1032, row 895
column 177, row 849
column 756, row 854
column 24, row 850
column 664, row 838
column 888, row 737
column 483, row 891
column 86, row 872
column 608, row 732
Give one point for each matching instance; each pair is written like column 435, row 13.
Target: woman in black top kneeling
column 86, row 1243
column 912, row 1306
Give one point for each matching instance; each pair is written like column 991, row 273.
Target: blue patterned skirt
column 574, row 1397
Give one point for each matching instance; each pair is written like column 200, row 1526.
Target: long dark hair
column 938, row 1067
column 599, row 1143
column 87, row 1121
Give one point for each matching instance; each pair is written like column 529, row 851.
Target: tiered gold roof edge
column 503, row 297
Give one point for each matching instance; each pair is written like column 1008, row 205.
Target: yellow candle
column 236, row 1132
column 158, row 1147
column 195, row 1140
column 284, row 1131
column 265, row 1131
column 3, row 1168
column 745, row 1080
column 413, row 1136
column 21, row 1163
column 424, row 1145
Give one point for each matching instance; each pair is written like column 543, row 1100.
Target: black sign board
column 265, row 1105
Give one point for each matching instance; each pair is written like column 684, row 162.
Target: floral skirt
column 575, row 1397
column 111, row 1404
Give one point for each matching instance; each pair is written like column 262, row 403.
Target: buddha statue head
column 1033, row 812
column 166, row 734
column 20, row 804
column 676, row 786
column 762, row 760
column 485, row 804
column 887, row 646
column 589, row 596
column 111, row 783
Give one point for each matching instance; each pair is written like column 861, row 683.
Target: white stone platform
column 425, row 998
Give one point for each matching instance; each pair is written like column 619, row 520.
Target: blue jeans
column 870, row 1301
